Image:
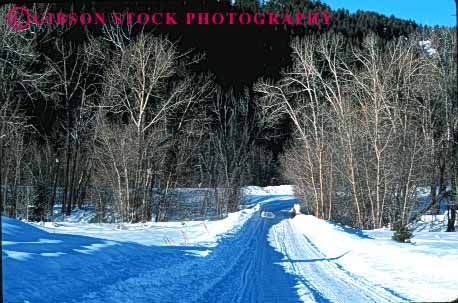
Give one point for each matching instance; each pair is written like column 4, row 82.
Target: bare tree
column 232, row 138
column 74, row 86
column 19, row 85
column 359, row 137
column 146, row 85
column 307, row 98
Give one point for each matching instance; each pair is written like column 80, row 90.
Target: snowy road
column 280, row 264
column 270, row 259
column 321, row 278
column 266, row 261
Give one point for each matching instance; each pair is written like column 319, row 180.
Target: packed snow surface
column 259, row 254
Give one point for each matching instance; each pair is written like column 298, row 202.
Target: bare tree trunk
column 66, row 205
column 54, row 188
column 451, row 216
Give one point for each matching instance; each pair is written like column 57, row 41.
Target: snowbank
column 269, row 190
column 156, row 233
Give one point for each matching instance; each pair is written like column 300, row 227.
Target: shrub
column 402, row 233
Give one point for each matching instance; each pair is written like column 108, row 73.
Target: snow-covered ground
column 418, row 271
column 431, row 223
column 247, row 257
column 156, row 233
column 269, row 190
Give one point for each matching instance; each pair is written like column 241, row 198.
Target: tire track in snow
column 257, row 276
column 327, row 280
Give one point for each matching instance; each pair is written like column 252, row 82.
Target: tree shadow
column 317, row 260
column 39, row 266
